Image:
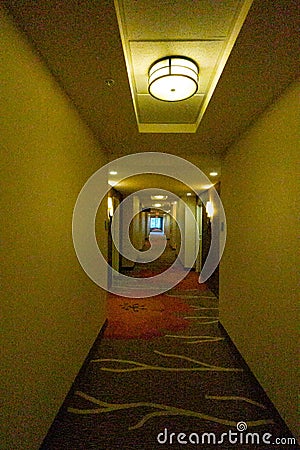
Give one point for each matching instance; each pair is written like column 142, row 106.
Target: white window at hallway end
column 156, row 222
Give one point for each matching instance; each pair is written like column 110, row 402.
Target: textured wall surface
column 258, row 275
column 52, row 312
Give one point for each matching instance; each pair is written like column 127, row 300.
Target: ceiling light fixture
column 113, row 172
column 159, row 197
column 213, row 174
column 173, row 78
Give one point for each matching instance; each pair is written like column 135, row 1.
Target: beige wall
column 186, row 219
column 52, row 312
column 137, row 230
column 258, row 285
column 130, row 215
column 167, row 225
column 173, row 227
column 190, row 232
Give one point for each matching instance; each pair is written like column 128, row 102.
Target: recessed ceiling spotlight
column 213, row 174
column 189, row 194
column 159, row 197
column 173, row 78
column 157, row 205
column 113, row 172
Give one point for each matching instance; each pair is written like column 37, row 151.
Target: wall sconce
column 110, row 207
column 173, row 78
column 209, row 209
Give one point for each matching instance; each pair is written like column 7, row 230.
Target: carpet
column 180, row 389
column 165, row 375
column 146, row 318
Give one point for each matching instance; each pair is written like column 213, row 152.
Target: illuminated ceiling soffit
column 203, row 30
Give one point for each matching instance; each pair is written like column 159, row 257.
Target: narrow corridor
column 164, row 367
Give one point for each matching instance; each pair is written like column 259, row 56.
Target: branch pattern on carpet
column 161, row 410
column 195, row 339
column 200, row 366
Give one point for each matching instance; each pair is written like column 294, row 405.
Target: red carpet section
column 191, row 282
column 144, row 318
column 147, row 318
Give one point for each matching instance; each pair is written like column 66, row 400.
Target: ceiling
column 157, row 186
column 204, row 31
column 80, row 43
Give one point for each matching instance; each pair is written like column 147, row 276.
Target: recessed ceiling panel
column 205, row 32
column 154, row 19
column 150, row 111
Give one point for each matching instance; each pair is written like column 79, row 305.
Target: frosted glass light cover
column 173, row 79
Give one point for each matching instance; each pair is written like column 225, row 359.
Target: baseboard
column 251, row 375
column 73, row 388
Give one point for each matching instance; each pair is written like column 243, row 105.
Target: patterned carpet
column 145, row 318
column 165, row 375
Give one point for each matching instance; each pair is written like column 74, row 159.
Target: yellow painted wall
column 258, row 277
column 52, row 312
column 137, row 232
